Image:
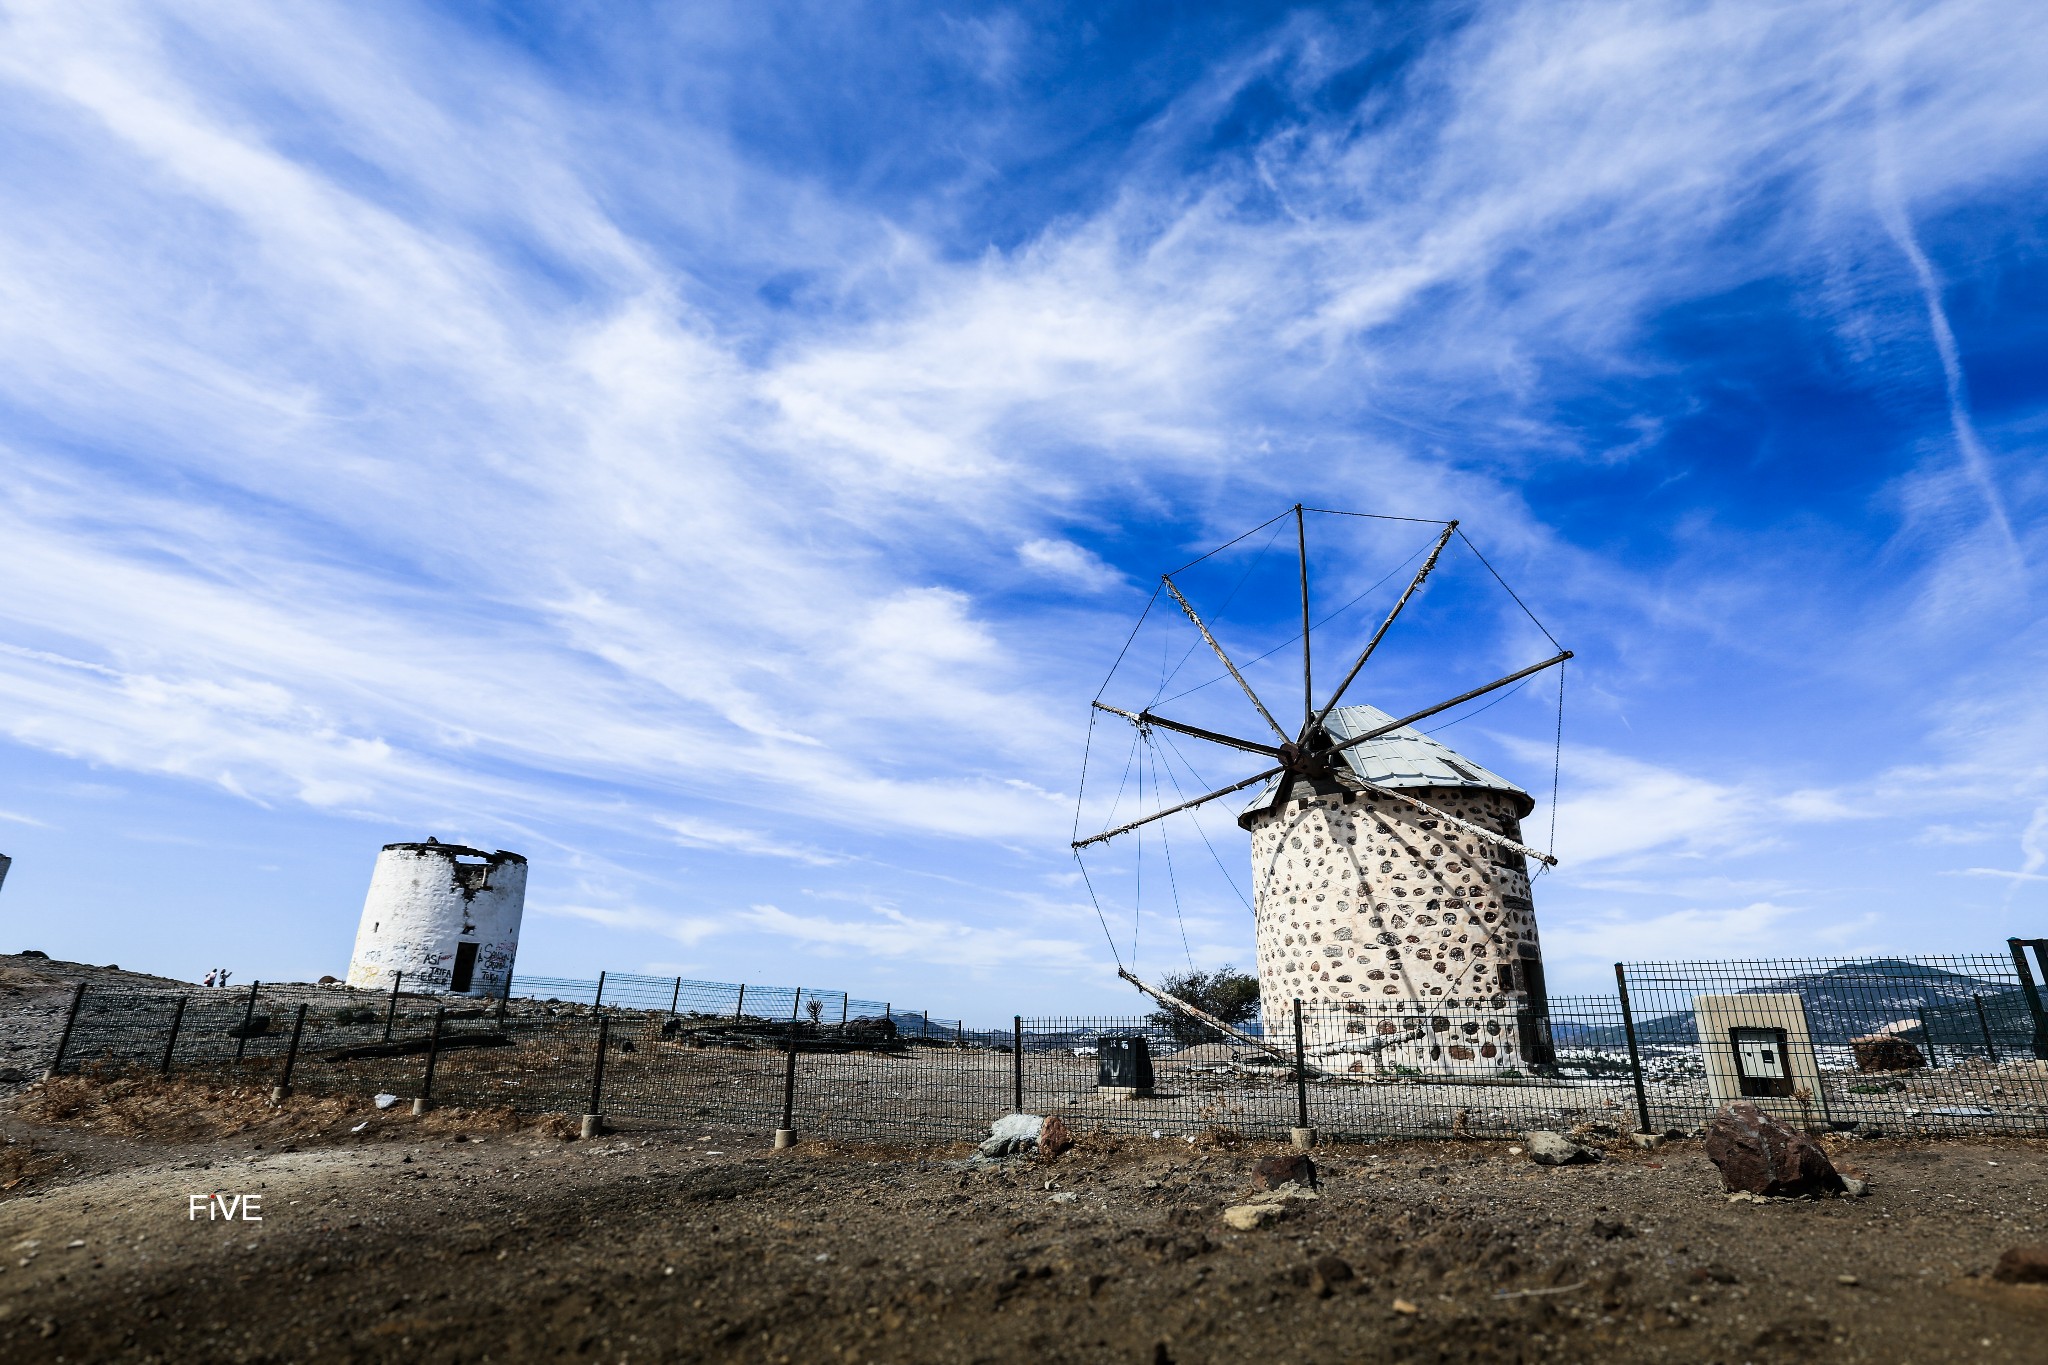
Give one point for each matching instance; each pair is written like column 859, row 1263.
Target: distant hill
column 1848, row 1001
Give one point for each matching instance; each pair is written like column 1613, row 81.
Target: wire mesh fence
column 709, row 1000
column 1363, row 1072
column 1922, row 1044
column 1905, row 1045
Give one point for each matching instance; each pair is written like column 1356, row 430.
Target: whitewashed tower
column 444, row 915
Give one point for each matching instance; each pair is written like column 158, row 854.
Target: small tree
column 1227, row 993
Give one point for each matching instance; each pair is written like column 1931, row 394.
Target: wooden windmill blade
column 1195, row 617
column 1450, row 529
column 1308, row 680
column 1146, row 717
column 1297, row 759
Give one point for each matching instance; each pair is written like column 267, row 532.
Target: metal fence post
column 785, row 1136
column 598, row 1002
column 1927, row 1033
column 391, row 1010
column 64, row 1038
column 171, row 1042
column 1984, row 1022
column 505, row 996
column 1017, row 1063
column 740, row 1004
column 675, row 998
column 843, row 1001
column 1635, row 1056
column 593, row 1117
column 1304, row 1135
column 283, row 1087
column 426, row 1099
column 242, row 1042
column 2031, row 992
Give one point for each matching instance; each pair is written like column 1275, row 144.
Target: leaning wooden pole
column 1308, row 699
column 1203, row 1016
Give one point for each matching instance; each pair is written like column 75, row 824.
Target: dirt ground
column 476, row 1236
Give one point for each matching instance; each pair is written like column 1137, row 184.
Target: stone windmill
column 1390, row 880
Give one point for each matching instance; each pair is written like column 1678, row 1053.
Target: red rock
column 1276, row 1171
column 1760, row 1155
column 1053, row 1137
column 1886, row 1052
column 2023, row 1265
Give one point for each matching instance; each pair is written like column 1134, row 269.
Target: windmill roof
column 1401, row 758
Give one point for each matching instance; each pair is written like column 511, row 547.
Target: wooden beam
column 1479, row 831
column 1458, row 700
column 1192, row 616
column 1308, row 696
column 1172, row 810
column 1380, row 634
column 1203, row 1016
column 1147, row 718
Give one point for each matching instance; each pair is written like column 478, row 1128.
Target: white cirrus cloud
column 1075, row 565
column 890, row 933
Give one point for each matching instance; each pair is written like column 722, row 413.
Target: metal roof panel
column 1403, row 758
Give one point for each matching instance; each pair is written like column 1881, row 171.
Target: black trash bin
column 1123, row 1066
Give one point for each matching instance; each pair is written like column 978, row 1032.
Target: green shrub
column 1227, row 993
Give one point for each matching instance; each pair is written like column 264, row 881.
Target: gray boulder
column 1555, row 1149
column 1013, row 1133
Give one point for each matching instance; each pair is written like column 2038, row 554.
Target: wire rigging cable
column 1096, row 901
column 1481, row 710
column 1180, row 792
column 1505, row 588
column 1294, row 638
column 1376, row 516
column 1166, row 846
column 1228, row 543
column 1150, row 602
column 1556, row 768
column 1138, row 876
column 1217, row 615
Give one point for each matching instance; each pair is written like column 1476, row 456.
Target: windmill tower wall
column 1421, row 936
column 444, row 915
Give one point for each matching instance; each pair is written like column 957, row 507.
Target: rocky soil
column 473, row 1237
column 34, row 991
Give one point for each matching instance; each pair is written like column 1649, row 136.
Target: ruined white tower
column 1421, row 933
column 444, row 915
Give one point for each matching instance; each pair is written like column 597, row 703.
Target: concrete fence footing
column 785, row 1137
column 593, row 1125
column 421, row 1106
column 1303, row 1138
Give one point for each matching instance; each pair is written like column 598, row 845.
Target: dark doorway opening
column 465, row 968
column 1538, row 1050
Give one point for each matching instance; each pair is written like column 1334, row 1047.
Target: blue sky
column 719, row 450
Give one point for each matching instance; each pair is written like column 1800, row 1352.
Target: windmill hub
column 1306, row 761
